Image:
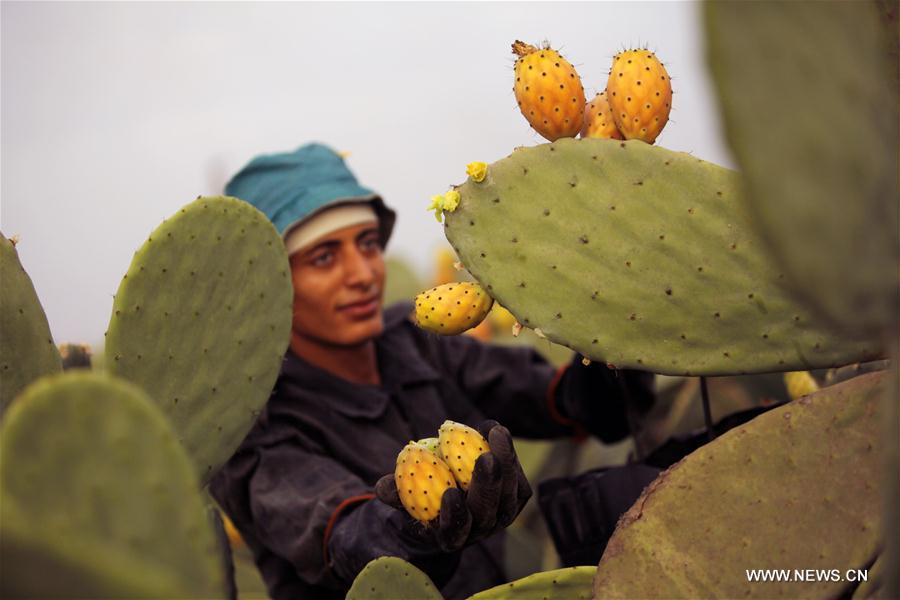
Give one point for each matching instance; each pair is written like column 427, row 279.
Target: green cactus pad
column 637, row 256
column 98, row 497
column 202, row 320
column 392, row 578
column 572, row 583
column 808, row 94
column 798, row 487
column 26, row 347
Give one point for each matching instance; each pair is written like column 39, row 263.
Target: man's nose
column 359, row 270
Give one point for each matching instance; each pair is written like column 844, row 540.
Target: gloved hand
column 497, row 493
column 582, row 511
column 597, row 397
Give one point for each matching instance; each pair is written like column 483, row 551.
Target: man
column 358, row 383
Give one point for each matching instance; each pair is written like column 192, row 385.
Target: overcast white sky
column 116, row 114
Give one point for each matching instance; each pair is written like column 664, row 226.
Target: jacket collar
column 400, row 364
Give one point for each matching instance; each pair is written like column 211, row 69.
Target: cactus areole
column 637, row 256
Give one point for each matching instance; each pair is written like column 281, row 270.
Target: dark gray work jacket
column 299, row 489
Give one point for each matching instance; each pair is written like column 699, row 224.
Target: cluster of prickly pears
column 452, row 308
column 429, row 467
column 634, row 105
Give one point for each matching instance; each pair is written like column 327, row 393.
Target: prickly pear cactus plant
column 572, row 583
column 26, row 347
column 392, row 578
column 452, row 308
column 639, row 257
column 422, row 478
column 750, row 500
column 548, row 90
column 99, row 500
column 460, row 446
column 640, row 94
column 202, row 320
column 808, row 95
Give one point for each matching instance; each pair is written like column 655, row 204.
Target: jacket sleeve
column 513, row 385
column 324, row 520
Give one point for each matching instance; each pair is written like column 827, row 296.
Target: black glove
column 582, row 511
column 596, row 397
column 497, row 493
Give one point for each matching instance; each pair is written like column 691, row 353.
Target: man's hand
column 497, row 493
column 599, row 398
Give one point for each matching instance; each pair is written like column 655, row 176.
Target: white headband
column 331, row 219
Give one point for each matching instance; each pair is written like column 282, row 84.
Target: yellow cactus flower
column 437, row 205
column 477, row 171
column 451, row 200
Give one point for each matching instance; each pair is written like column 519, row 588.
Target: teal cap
column 291, row 187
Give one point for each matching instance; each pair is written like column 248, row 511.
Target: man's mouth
column 363, row 308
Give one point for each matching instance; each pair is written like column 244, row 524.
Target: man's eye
column 371, row 243
column 320, row 260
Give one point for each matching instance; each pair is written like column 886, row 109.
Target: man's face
column 338, row 286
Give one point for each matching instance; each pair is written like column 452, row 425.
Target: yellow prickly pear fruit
column 460, row 446
column 640, row 94
column 430, row 444
column 452, row 308
column 598, row 120
column 502, row 318
column 549, row 91
column 422, row 477
column 799, row 384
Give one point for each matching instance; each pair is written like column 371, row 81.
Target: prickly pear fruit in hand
column 422, row 478
column 640, row 94
column 430, row 444
column 452, row 308
column 460, row 446
column 598, row 120
column 549, row 91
